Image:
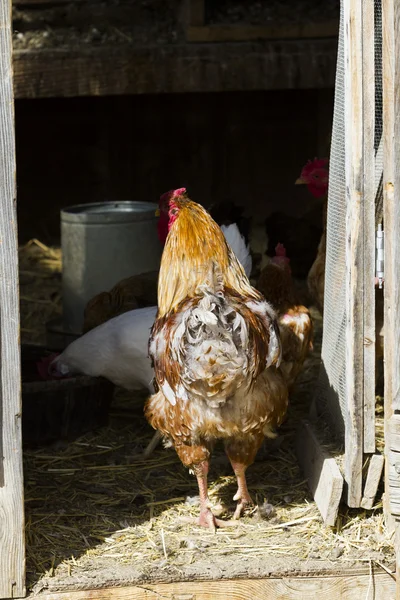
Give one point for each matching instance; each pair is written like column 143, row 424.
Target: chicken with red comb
column 315, row 176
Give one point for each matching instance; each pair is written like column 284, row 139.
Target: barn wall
column 247, row 146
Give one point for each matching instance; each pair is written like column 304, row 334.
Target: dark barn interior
column 248, row 147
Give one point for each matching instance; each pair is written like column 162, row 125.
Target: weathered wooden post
column 12, row 545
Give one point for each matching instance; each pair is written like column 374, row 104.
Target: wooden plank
column 374, row 475
column 12, row 550
column 393, row 432
column 368, row 83
column 324, row 478
column 42, row 2
column 376, row 585
column 354, row 251
column 196, row 12
column 245, row 33
column 391, row 215
column 307, row 64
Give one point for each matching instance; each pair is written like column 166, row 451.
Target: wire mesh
column 332, row 381
column 332, row 385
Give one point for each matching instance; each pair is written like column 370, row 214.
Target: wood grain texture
column 368, row 216
column 12, row 551
column 374, row 475
column 245, row 33
column 324, row 478
column 307, row 64
column 378, row 585
column 354, row 251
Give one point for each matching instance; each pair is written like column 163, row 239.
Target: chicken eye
column 173, row 211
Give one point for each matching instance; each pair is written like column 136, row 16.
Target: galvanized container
column 102, row 243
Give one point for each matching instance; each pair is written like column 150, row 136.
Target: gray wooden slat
column 12, row 552
column 368, row 46
column 354, row 251
column 391, row 216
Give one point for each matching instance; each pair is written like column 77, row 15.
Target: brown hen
column 295, row 324
column 133, row 292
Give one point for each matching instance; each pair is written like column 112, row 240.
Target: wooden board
column 12, row 551
column 376, row 585
column 40, row 2
column 323, row 474
column 245, row 33
column 354, row 252
column 391, row 215
column 372, row 482
column 174, row 69
column 368, row 216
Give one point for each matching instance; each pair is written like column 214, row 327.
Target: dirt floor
column 149, row 22
column 98, row 514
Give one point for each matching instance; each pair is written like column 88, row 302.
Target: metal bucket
column 102, row 243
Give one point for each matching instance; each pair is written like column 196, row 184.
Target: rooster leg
column 242, row 495
column 241, row 453
column 206, row 518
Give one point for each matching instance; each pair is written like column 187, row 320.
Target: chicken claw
column 209, row 520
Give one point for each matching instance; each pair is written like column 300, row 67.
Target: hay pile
column 40, row 289
column 98, row 514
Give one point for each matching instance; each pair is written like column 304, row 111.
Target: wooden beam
column 348, row 587
column 12, row 549
column 40, row 2
column 307, row 64
column 374, row 475
column 324, row 478
column 368, row 216
column 246, row 33
column 354, row 253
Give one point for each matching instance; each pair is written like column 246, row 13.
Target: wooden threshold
column 102, row 71
column 355, row 586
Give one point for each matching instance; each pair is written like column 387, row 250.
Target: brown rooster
column 134, row 292
column 295, row 324
column 216, row 351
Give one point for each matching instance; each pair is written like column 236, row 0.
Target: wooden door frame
column 12, row 535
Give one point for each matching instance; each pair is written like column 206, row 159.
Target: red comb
column 311, row 165
column 172, row 194
column 280, row 250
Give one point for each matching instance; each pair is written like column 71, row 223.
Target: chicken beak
column 299, row 181
column 157, row 213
